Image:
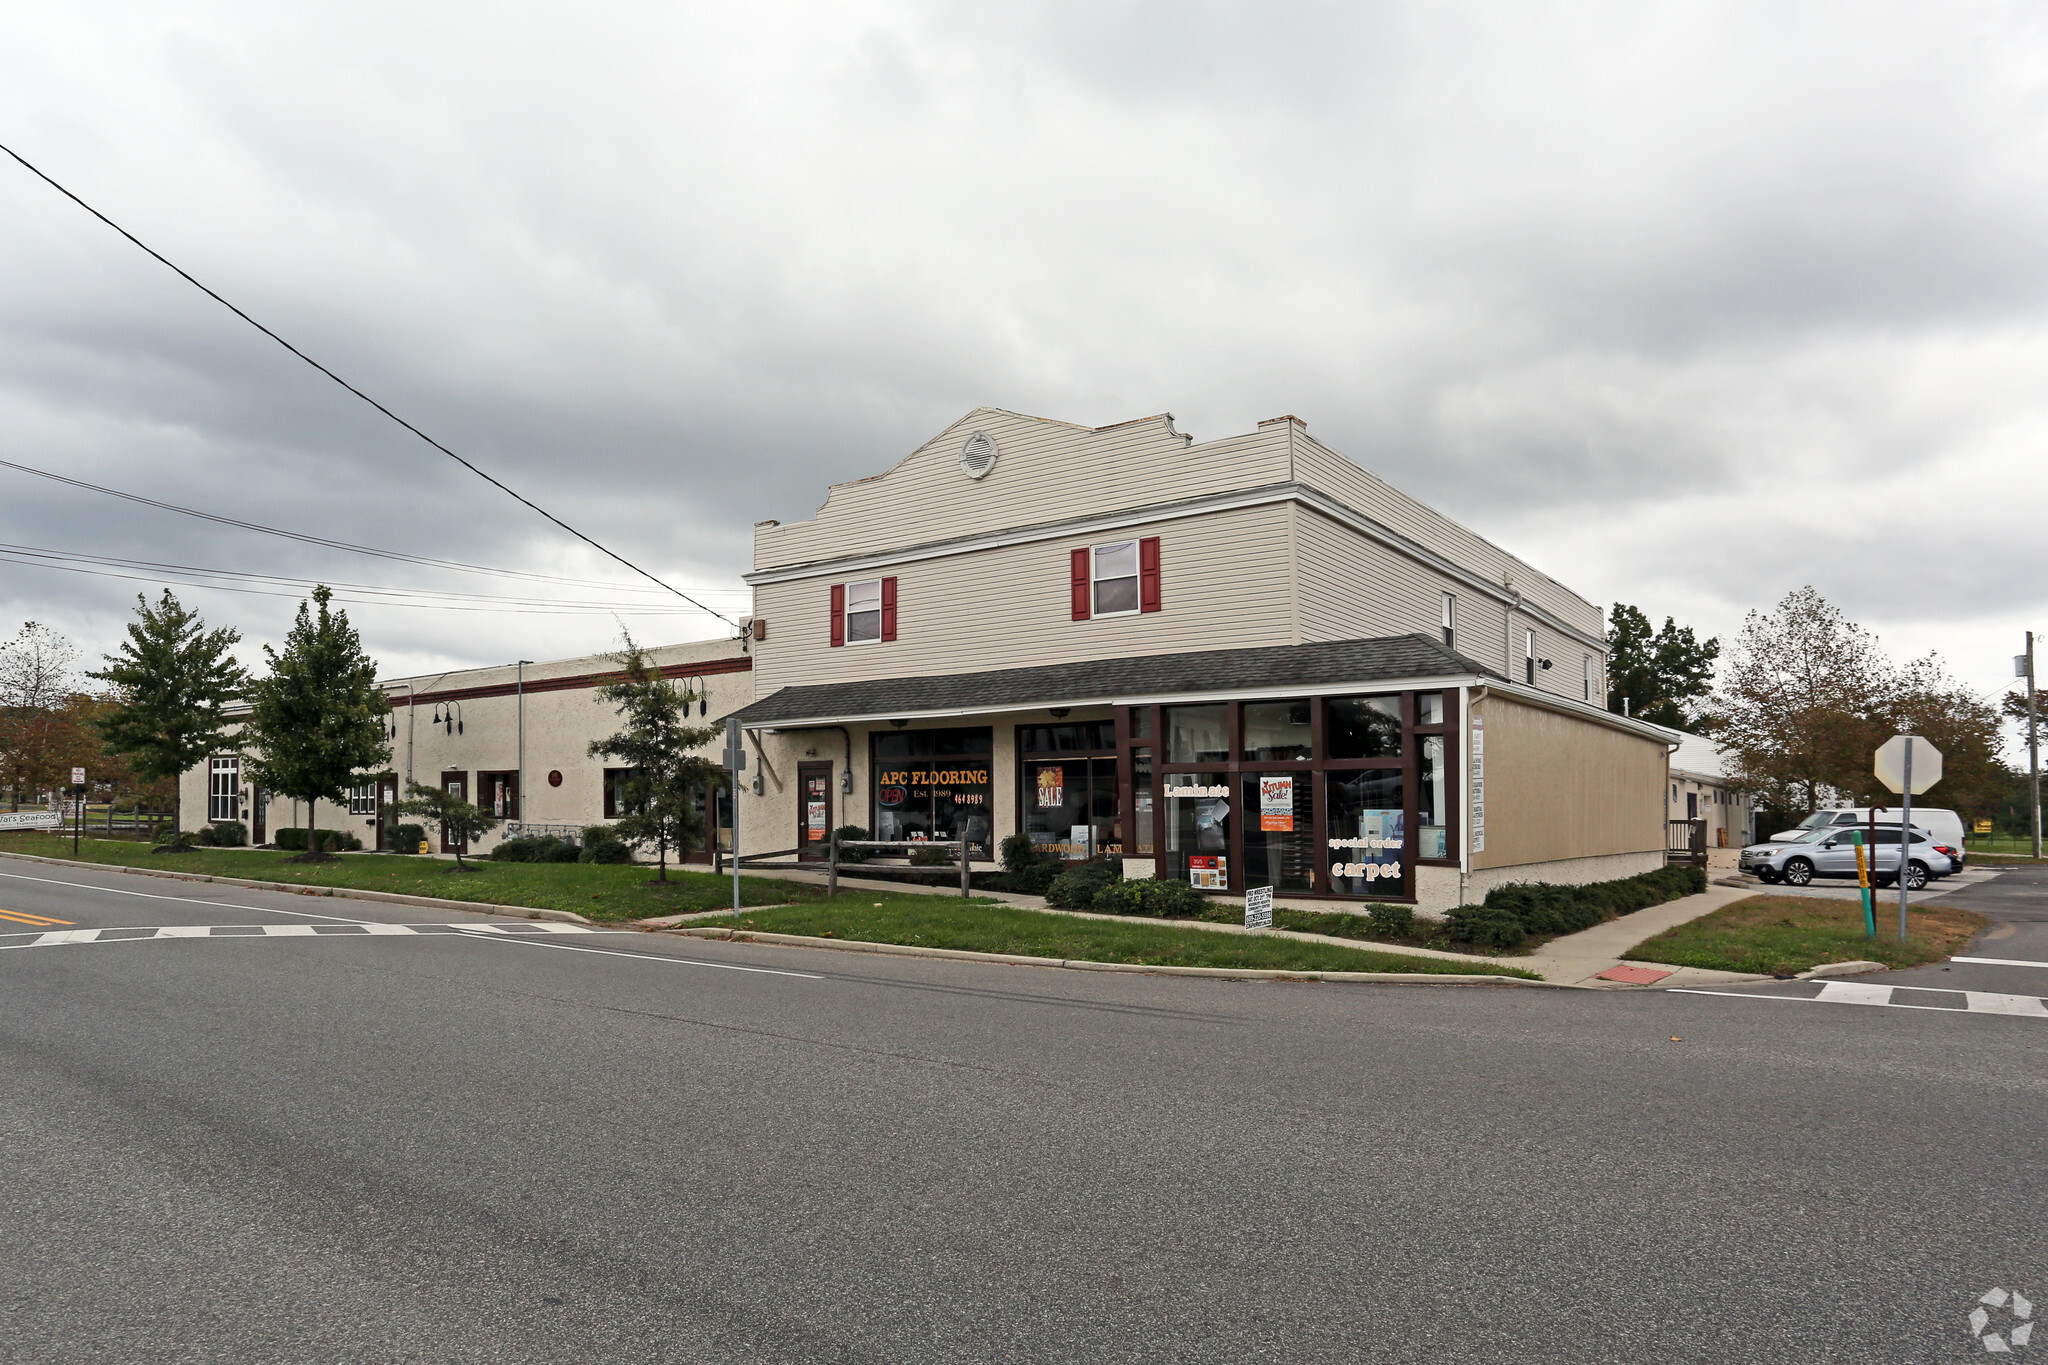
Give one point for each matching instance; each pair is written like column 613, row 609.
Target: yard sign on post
column 1908, row 765
column 1258, row 907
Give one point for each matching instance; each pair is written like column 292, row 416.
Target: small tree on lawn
column 663, row 778
column 458, row 820
column 173, row 680
column 316, row 721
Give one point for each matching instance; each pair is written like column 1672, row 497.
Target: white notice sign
column 1258, row 907
column 78, row 777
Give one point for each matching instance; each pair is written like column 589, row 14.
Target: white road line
column 1998, row 962
column 182, row 900
column 145, row 933
column 67, row 936
column 637, row 957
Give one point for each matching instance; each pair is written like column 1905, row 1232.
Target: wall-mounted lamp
column 1058, row 712
column 1543, row 663
column 448, row 715
column 695, row 687
column 899, row 724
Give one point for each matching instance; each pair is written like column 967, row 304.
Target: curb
column 298, row 889
column 1075, row 964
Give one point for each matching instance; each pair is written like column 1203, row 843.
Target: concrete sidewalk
column 1581, row 959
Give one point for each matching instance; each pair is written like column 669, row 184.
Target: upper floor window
column 1529, row 656
column 1586, row 663
column 864, row 613
column 1116, row 579
column 1450, row 620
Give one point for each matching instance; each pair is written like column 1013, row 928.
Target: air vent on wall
column 978, row 456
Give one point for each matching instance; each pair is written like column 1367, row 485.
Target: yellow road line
column 19, row 917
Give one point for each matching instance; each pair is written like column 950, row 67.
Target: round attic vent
column 978, row 456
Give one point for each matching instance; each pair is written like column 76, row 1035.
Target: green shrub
column 1035, row 880
column 1019, row 853
column 608, row 850
column 559, row 851
column 1152, row 898
column 1391, row 921
column 290, row 839
column 1078, row 886
column 1484, row 926
column 293, row 839
column 406, row 838
column 229, row 834
column 525, row 849
column 853, row 855
column 1545, row 909
column 931, row 857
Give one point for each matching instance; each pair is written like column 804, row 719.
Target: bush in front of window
column 293, row 840
column 1078, row 886
column 537, row 848
column 407, row 838
column 853, row 855
column 601, row 844
column 1026, row 871
column 1151, row 898
column 931, row 857
column 1391, row 921
column 223, row 834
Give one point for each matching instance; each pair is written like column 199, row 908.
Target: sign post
column 2023, row 666
column 1897, row 759
column 77, row 807
column 735, row 761
column 1258, row 907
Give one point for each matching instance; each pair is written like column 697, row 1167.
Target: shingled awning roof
column 1333, row 663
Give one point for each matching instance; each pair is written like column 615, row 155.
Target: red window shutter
column 1082, row 591
column 1148, row 574
column 838, row 615
column 888, row 609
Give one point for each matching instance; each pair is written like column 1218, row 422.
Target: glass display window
column 1364, row 832
column 935, row 784
column 1068, row 737
column 1070, row 807
column 1432, row 834
column 1364, row 727
column 1197, row 822
column 1198, row 734
column 1142, row 843
column 1278, row 731
column 1279, row 830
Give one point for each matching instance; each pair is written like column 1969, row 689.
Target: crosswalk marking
column 1865, row 993
column 1999, row 962
column 143, row 933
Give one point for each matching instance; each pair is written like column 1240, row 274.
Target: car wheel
column 1916, row 876
column 1798, row 872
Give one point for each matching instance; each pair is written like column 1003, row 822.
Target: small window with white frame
column 1115, row 577
column 1450, row 620
column 864, row 612
column 362, row 799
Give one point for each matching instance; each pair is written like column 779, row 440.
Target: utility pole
column 2024, row 665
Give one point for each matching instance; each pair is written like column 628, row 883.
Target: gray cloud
column 1682, row 303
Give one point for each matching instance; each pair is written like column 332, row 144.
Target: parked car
column 1945, row 826
column 1831, row 852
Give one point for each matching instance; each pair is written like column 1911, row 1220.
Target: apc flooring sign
column 1479, row 784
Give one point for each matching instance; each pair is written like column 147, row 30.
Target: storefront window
column 1141, row 845
column 1279, row 830
column 1076, row 737
column 934, row 784
column 1198, row 734
column 1198, row 828
column 1367, row 852
column 1070, row 807
column 1432, row 839
column 1276, row 731
column 1365, row 727
column 1429, row 708
column 1141, row 722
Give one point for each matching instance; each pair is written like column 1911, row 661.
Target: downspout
column 1469, row 698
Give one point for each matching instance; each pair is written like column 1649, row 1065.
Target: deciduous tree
column 316, row 722
column 36, row 682
column 1663, row 676
column 173, row 679
column 458, row 820
column 664, row 780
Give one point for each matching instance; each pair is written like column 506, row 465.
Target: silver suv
column 1827, row 852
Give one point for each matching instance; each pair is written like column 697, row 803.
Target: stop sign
column 1891, row 763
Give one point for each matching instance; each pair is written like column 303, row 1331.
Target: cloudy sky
column 1689, row 303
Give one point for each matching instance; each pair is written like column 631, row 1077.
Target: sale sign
column 1052, row 786
column 1276, row 803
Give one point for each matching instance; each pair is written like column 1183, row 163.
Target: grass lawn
column 991, row 927
column 1786, row 935
column 596, row 890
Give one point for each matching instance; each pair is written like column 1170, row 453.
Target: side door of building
column 387, row 797
column 813, row 811
column 457, row 786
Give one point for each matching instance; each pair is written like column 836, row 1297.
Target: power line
column 399, row 555
column 182, row 274
column 407, row 596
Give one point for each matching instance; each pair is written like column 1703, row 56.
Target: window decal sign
column 1377, row 852
column 1276, row 802
column 1209, row 873
column 1052, row 785
column 814, row 820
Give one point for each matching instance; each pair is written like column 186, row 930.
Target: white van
column 1945, row 825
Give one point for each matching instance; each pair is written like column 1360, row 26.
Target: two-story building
column 1242, row 662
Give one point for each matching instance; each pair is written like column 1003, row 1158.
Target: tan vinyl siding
column 1045, row 471
column 1224, row 584
column 1324, row 469
column 1558, row 787
column 1353, row 588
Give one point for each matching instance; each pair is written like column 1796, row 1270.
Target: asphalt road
column 461, row 1145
